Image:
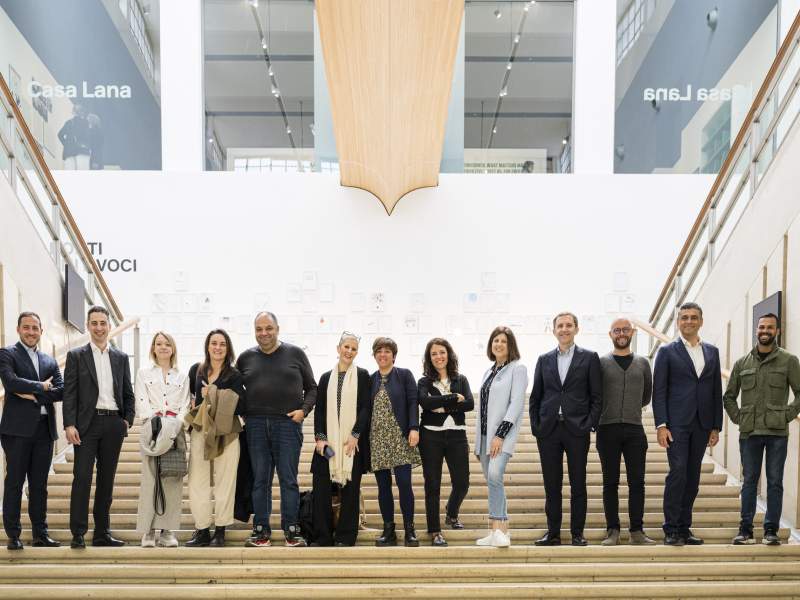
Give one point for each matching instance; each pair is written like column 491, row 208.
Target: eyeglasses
column 625, row 330
column 349, row 334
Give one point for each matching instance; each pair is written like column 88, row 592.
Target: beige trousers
column 205, row 510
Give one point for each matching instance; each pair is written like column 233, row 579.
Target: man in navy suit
column 32, row 381
column 564, row 408
column 98, row 409
column 687, row 405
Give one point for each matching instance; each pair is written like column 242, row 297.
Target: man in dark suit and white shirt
column 99, row 407
column 32, row 381
column 687, row 406
column 564, row 408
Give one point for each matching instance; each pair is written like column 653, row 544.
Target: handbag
column 173, row 462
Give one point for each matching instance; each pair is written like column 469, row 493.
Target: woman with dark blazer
column 394, row 435
column 341, row 432
column 444, row 396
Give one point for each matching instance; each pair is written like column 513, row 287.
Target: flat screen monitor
column 771, row 304
column 74, row 301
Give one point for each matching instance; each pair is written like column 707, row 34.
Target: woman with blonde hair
column 162, row 392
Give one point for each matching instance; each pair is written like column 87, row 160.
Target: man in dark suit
column 565, row 407
column 687, row 406
column 32, row 381
column 98, row 410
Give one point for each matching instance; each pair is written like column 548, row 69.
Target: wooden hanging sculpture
column 389, row 66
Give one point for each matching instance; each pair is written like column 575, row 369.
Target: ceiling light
column 508, row 67
column 253, row 3
column 712, row 17
column 516, row 39
column 270, row 72
column 289, row 130
column 564, row 142
column 526, row 7
column 211, row 140
column 263, row 43
column 494, row 129
column 275, row 91
column 504, row 91
column 497, row 13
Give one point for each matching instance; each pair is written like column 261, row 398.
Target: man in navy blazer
column 564, row 408
column 99, row 407
column 32, row 381
column 687, row 407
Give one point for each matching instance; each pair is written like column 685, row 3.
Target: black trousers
column 551, row 453
column 685, row 456
column 435, row 447
column 628, row 441
column 346, row 530
column 100, row 444
column 27, row 457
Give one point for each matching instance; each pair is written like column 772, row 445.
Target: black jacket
column 430, row 398
column 20, row 415
column 81, row 388
column 363, row 415
column 580, row 396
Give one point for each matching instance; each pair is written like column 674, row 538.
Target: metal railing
column 774, row 110
column 24, row 166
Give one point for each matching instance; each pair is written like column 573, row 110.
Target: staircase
column 460, row 571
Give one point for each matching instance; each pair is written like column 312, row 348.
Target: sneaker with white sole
column 501, row 539
column 488, row 540
column 167, row 539
column 149, row 539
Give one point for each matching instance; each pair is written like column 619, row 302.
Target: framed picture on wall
column 771, row 304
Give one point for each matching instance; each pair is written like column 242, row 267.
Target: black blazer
column 430, row 398
column 679, row 394
column 363, row 414
column 81, row 389
column 580, row 397
column 21, row 416
column 402, row 391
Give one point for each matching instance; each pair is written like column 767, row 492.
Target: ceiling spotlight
column 712, row 17
column 497, row 13
column 263, row 43
column 516, row 39
column 275, row 91
column 270, row 72
column 289, row 130
column 211, row 140
column 494, row 129
column 564, row 141
column 526, row 8
column 504, row 91
column 253, row 3
column 508, row 67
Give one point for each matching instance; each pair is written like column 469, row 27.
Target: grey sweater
column 625, row 391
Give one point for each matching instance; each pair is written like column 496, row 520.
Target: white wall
column 552, row 243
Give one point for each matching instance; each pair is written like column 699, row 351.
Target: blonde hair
column 173, row 360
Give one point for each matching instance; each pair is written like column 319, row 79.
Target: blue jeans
column 274, row 442
column 493, row 470
column 752, row 452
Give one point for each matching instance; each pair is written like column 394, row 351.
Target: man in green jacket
column 764, row 376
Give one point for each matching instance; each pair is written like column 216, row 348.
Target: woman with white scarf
column 341, row 422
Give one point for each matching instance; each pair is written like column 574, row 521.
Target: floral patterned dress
column 388, row 446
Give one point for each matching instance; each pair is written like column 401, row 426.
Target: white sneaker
column 149, row 539
column 501, row 539
column 488, row 540
column 167, row 539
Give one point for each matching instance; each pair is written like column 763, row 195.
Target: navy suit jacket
column 679, row 394
column 81, row 388
column 580, row 396
column 402, row 388
column 20, row 415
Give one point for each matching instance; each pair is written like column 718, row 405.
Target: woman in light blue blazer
column 502, row 401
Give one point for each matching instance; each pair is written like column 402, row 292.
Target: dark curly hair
column 452, row 360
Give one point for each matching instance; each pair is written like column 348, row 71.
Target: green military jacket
column 765, row 393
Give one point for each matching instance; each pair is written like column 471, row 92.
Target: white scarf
column 339, row 429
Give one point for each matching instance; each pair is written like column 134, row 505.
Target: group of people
column 244, row 417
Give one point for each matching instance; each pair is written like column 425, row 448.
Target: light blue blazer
column 506, row 403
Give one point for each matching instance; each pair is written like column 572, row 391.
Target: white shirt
column 35, row 360
column 155, row 393
column 105, row 378
column 449, row 423
column 696, row 354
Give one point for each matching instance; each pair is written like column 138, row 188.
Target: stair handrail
column 56, row 198
column 754, row 142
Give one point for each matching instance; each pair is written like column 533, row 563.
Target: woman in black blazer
column 444, row 396
column 393, row 435
column 341, row 432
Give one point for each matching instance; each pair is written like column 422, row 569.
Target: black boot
column 410, row 540
column 218, row 541
column 388, row 537
column 200, row 539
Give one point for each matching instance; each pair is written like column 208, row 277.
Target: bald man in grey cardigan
column 627, row 389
